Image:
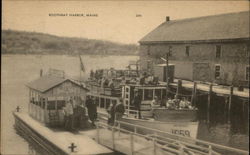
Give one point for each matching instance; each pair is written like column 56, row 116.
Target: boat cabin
column 147, row 94
column 48, row 95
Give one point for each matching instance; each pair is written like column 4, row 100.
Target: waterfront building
column 209, row 49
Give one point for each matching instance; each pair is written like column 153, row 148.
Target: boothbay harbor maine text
column 125, row 81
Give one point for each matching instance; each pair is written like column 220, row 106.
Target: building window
column 170, row 51
column 248, row 50
column 217, row 71
column 148, row 64
column 148, row 50
column 187, row 50
column 247, row 73
column 218, row 51
column 51, row 105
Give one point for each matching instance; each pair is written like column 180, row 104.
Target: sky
column 118, row 21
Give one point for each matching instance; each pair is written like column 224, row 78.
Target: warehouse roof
column 209, row 28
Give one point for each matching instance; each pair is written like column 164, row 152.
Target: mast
column 167, row 74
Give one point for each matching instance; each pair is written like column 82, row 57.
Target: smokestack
column 167, row 18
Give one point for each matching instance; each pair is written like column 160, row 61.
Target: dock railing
column 151, row 144
column 129, row 112
column 183, row 143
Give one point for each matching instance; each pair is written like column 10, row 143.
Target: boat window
column 158, row 93
column 114, row 102
column 32, row 100
column 127, row 89
column 39, row 102
column 60, row 104
column 140, row 92
column 97, row 101
column 51, row 105
column 163, row 93
column 148, row 94
column 107, row 103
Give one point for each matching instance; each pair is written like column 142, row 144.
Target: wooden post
column 131, row 143
column 97, row 133
column 230, row 103
column 181, row 150
column 179, row 85
column 105, row 103
column 210, row 151
column 135, row 129
column 167, row 79
column 119, row 128
column 209, row 102
column 193, row 99
column 167, row 88
column 143, row 93
column 113, row 138
column 154, row 146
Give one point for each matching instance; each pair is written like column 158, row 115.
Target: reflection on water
column 17, row 70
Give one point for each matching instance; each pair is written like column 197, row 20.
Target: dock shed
column 48, row 95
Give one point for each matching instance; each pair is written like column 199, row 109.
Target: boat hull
column 187, row 129
column 166, row 115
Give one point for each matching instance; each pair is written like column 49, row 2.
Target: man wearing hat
column 119, row 110
column 137, row 102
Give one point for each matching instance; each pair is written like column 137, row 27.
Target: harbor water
column 17, row 70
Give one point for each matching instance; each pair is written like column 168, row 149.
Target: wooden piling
column 209, row 102
column 179, row 85
column 193, row 102
column 131, row 144
column 230, row 103
column 167, row 88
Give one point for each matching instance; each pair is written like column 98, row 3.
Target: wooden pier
column 107, row 139
column 214, row 101
column 132, row 142
column 58, row 142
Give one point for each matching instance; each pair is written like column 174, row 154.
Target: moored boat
column 178, row 121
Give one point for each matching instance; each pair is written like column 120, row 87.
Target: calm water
column 17, row 70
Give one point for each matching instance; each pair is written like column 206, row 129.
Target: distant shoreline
column 70, row 55
column 20, row 42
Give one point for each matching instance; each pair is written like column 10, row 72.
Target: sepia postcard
column 125, row 77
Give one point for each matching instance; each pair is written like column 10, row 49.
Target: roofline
column 34, row 89
column 57, row 85
column 196, row 41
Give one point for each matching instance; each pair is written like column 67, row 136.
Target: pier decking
column 219, row 89
column 63, row 139
column 107, row 139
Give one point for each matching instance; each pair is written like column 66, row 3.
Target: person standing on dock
column 119, row 110
column 69, row 115
column 137, row 103
column 92, row 110
column 111, row 112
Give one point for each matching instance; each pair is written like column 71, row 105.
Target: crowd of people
column 75, row 113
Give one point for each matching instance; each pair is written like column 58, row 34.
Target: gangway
column 133, row 142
